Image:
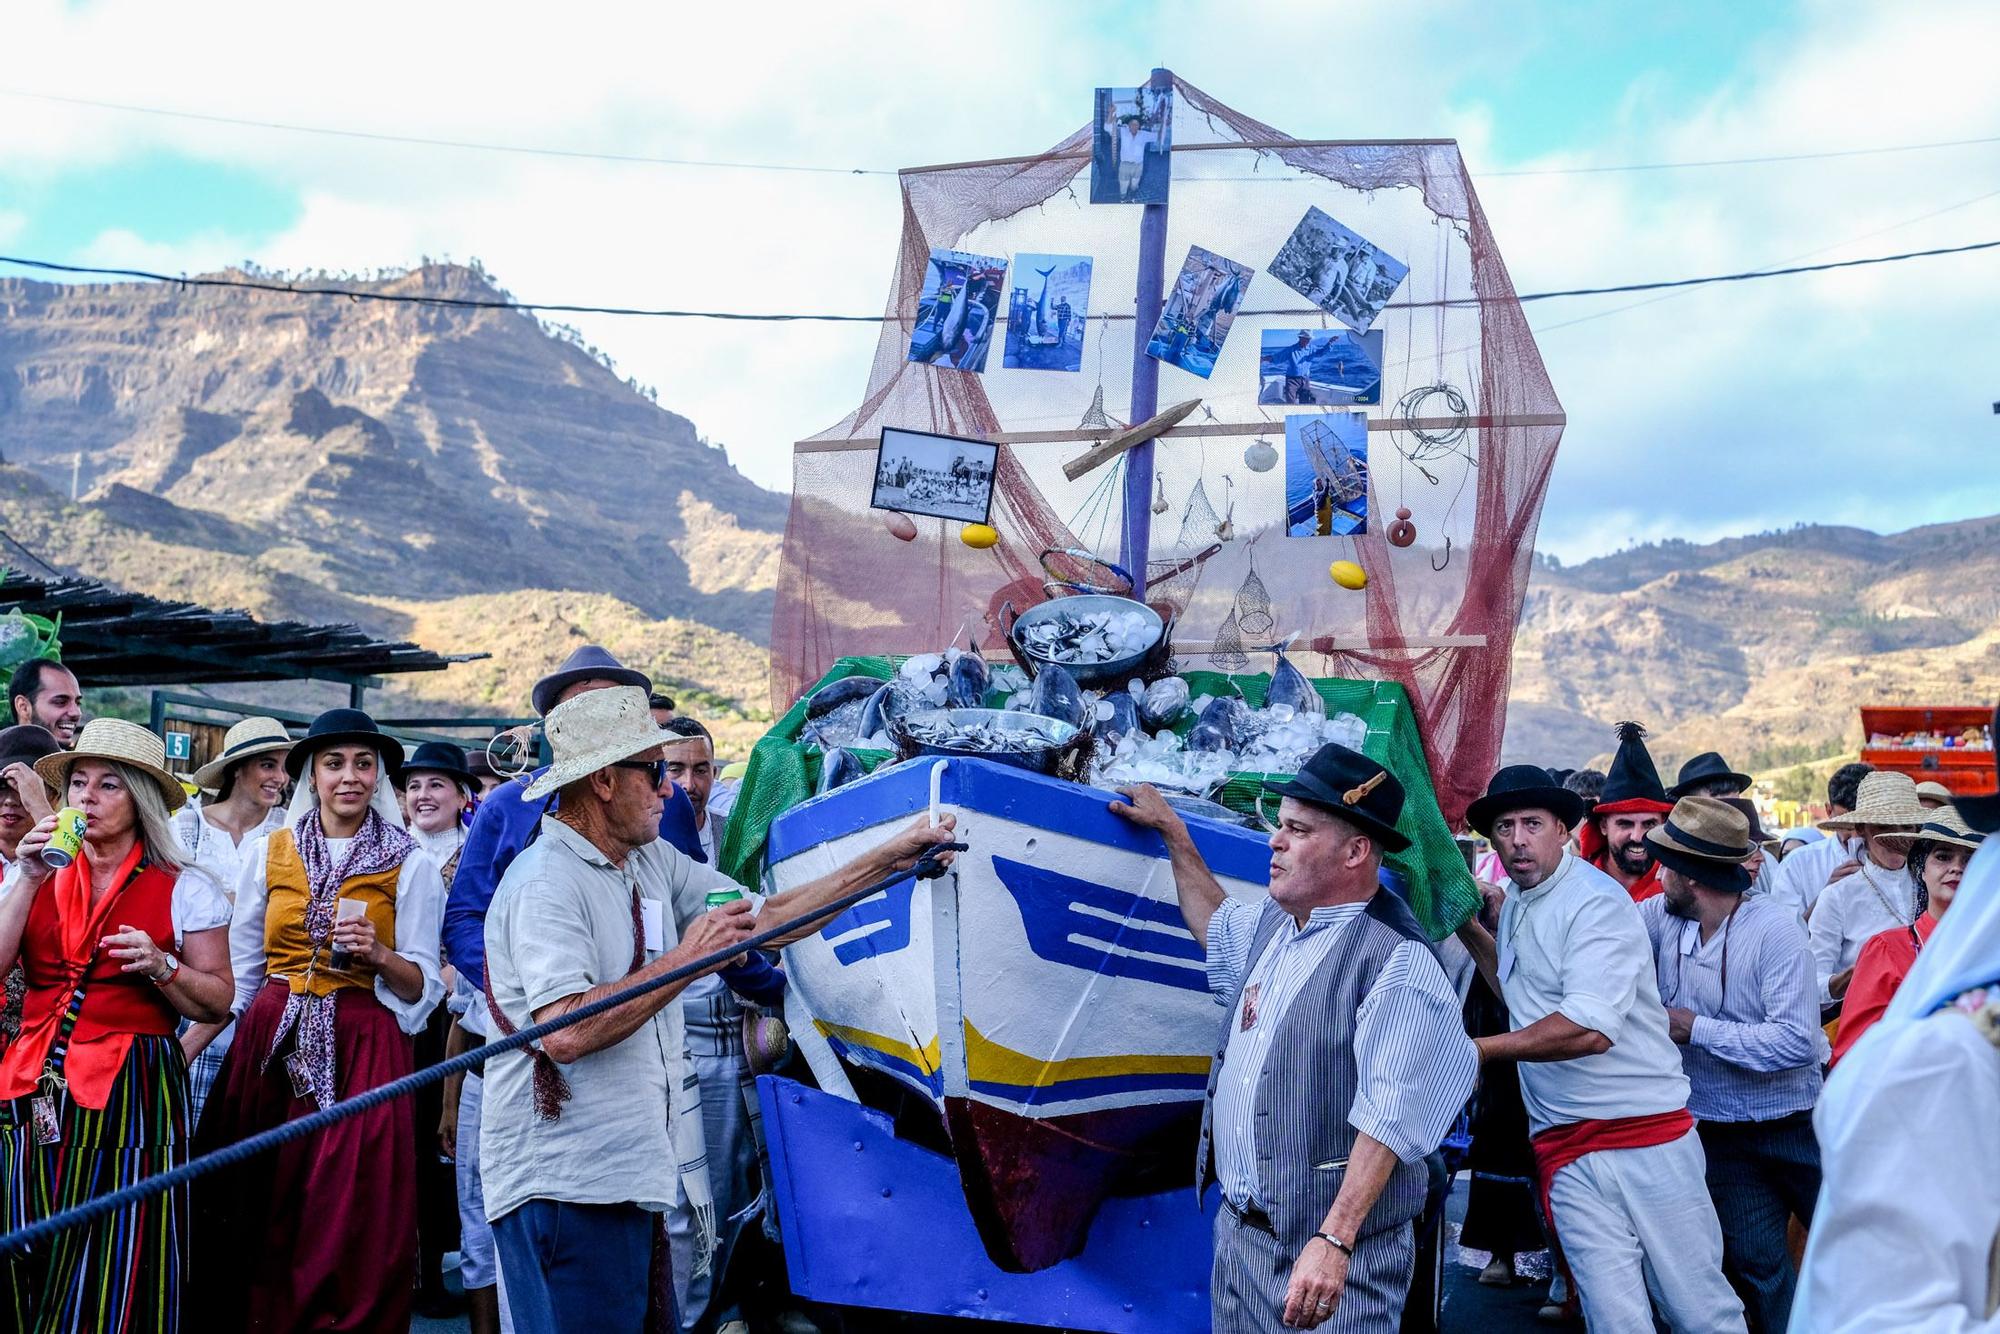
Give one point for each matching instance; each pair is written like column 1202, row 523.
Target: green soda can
column 718, row 897
column 66, row 840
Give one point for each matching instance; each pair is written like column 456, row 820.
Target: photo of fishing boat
column 1326, row 474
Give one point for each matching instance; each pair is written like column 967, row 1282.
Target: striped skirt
column 123, row 1272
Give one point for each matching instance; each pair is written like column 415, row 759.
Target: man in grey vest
column 1341, row 1064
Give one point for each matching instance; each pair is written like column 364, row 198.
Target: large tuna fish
column 1221, row 726
column 966, row 688
column 1057, row 695
column 1290, row 687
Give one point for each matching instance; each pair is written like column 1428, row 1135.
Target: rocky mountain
column 1763, row 647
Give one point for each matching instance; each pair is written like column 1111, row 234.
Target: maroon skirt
column 321, row 1233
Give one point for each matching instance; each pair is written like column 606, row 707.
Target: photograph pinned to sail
column 940, row 475
column 1199, row 310
column 1344, row 274
column 1132, row 145
column 1320, row 367
column 958, row 309
column 1326, row 474
column 1046, row 313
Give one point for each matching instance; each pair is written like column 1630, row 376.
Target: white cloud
column 1718, row 410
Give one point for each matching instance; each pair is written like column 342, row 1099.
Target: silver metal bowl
column 1114, row 671
column 1036, row 754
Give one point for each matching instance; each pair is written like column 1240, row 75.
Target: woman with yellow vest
column 118, row 944
column 335, row 948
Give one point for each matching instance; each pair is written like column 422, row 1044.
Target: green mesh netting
column 783, row 771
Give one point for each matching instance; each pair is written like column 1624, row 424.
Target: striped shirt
column 1414, row 1065
column 1755, row 1050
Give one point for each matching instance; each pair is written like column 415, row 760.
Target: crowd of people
column 1640, row 1024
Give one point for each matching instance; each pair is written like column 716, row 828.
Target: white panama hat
column 595, row 730
column 246, row 740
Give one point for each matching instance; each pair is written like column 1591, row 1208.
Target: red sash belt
column 1559, row 1146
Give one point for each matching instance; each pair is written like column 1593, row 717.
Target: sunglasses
column 654, row 769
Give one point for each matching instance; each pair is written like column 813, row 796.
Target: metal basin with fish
column 1049, row 633
column 1024, row 740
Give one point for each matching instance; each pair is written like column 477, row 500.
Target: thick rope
column 26, row 1238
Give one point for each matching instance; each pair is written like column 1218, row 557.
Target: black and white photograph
column 1132, row 146
column 944, row 476
column 1319, row 367
column 958, row 309
column 1046, row 313
column 1344, row 274
column 1198, row 312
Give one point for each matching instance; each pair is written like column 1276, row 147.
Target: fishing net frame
column 1437, row 618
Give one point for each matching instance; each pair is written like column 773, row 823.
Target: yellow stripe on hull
column 924, row 1058
column 989, row 1062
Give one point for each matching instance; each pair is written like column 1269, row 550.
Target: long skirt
column 124, row 1271
column 321, row 1233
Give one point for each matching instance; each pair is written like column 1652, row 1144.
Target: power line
column 565, row 308
column 641, row 159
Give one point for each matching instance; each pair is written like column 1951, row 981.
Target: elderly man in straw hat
column 1870, row 893
column 586, row 1142
column 1737, row 980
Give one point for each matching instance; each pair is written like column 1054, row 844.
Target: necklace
column 1887, row 906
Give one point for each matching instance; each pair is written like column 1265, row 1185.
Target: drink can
column 67, row 839
column 718, row 897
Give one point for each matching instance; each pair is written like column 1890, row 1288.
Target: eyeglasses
column 655, row 769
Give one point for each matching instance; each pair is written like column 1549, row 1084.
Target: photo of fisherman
column 917, row 472
column 1343, row 274
column 957, row 309
column 1132, row 145
column 1320, row 367
column 1326, row 474
column 1198, row 312
column 1046, row 313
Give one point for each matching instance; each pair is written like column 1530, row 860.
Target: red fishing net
column 1464, row 435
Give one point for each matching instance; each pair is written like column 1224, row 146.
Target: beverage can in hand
column 718, row 897
column 67, row 839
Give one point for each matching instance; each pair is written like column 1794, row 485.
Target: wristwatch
column 173, row 967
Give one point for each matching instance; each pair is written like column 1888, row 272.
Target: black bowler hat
column 1524, row 787
column 1707, row 767
column 1352, row 786
column 440, row 757
column 342, row 727
column 592, row 662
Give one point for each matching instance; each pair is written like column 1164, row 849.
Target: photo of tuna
column 1046, row 313
column 945, row 476
column 1132, row 146
column 1198, row 312
column 957, row 309
column 1326, row 474
column 1343, row 274
column 1327, row 367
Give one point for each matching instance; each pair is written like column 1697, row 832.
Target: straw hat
column 1705, row 839
column 1932, row 790
column 1885, row 800
column 115, row 739
column 1945, row 826
column 252, row 736
column 594, row 731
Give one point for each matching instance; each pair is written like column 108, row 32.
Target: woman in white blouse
column 334, row 943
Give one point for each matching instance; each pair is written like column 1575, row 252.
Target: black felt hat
column 592, row 662
column 25, row 743
column 440, row 757
column 342, row 727
column 1352, row 786
column 1632, row 776
column 1522, row 787
column 1707, row 767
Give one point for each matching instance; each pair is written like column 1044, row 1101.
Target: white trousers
column 1634, row 1222
column 478, row 1265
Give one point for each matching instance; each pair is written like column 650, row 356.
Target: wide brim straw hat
column 1946, row 825
column 1705, row 839
column 1931, row 789
column 246, row 740
column 128, row 744
column 594, row 731
column 1885, row 800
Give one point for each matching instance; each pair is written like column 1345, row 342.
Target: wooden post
column 1136, row 534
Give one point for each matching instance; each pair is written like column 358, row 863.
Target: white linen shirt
column 1414, row 1065
column 561, row 924
column 1574, row 945
column 213, row 848
column 1804, row 872
column 419, row 914
column 1852, row 913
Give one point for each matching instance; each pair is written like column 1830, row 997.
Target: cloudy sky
column 1861, row 397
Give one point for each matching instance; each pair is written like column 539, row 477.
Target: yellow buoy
column 978, row 536
column 1347, row 574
